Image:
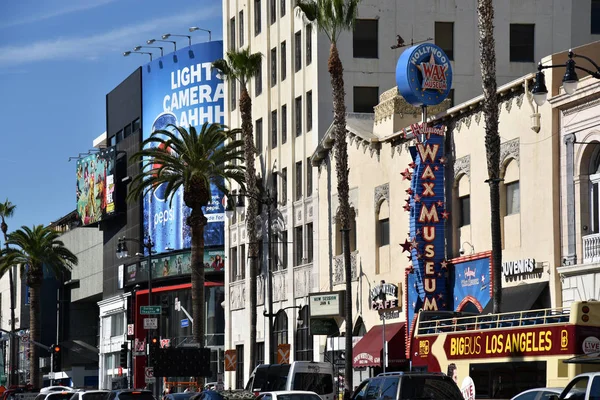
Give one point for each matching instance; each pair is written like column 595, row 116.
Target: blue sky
column 58, row 60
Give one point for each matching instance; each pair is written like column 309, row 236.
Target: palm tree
column 194, row 161
column 241, row 66
column 7, row 210
column 334, row 17
column 485, row 12
column 35, row 248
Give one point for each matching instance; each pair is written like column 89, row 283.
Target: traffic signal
column 164, row 306
column 153, row 348
column 56, row 357
column 123, row 355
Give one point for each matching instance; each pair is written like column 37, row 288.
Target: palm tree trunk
column 197, row 221
column 249, row 154
column 485, row 11
column 34, row 334
column 336, row 71
column 11, row 284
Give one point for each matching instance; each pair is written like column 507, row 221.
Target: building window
column 365, row 42
column 136, row 125
column 241, row 28
column 444, row 37
column 257, row 20
column 309, row 183
column 239, row 367
column 464, row 204
column 298, row 250
column 126, row 131
column 283, row 124
column 308, row 44
column 384, row 232
column 233, row 93
column 233, row 262
column 284, row 186
column 283, row 62
column 309, row 243
column 282, row 8
column 117, row 325
column 298, row 51
column 119, row 136
column 280, row 331
column 298, row 180
column 309, row 105
column 595, row 17
column 522, row 42
column 273, row 66
column 284, row 249
column 258, row 133
column 513, row 202
column 273, row 129
column 304, row 340
column 273, row 4
column 260, row 353
column 111, row 141
column 365, row 99
column 298, row 116
column 242, row 267
column 258, row 80
column 232, row 34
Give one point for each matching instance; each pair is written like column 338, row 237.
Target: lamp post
column 152, row 41
column 138, row 48
column 570, row 79
column 195, row 28
column 168, row 35
column 128, row 53
column 268, row 200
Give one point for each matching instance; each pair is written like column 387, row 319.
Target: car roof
column 289, row 392
column 542, row 389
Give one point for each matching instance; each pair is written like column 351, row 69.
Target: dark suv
column 130, row 394
column 408, row 386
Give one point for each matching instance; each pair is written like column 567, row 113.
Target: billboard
column 182, row 89
column 96, row 186
column 472, row 282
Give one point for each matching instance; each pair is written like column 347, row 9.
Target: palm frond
column 330, row 16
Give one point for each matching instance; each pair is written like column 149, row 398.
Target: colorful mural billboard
column 182, row 89
column 472, row 285
column 96, row 186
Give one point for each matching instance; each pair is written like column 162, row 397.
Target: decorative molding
column 299, row 215
column 302, row 280
column 234, row 238
column 462, row 166
column 478, row 116
column 467, row 120
column 237, row 295
column 392, row 103
column 582, row 107
column 260, row 291
column 280, row 285
column 382, row 192
column 508, row 150
column 520, row 99
column 310, row 211
column 338, row 269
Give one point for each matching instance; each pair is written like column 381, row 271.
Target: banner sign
column 182, row 89
column 96, row 186
column 178, row 264
column 472, row 282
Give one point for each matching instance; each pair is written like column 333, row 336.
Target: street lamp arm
column 590, row 61
column 266, row 314
column 595, row 74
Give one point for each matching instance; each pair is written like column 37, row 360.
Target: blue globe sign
column 424, row 75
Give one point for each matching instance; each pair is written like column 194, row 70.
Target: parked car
column 289, row 395
column 179, row 396
column 583, row 387
column 130, row 394
column 539, row 394
column 408, row 385
column 89, row 395
column 55, row 395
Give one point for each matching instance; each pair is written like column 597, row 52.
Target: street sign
column 149, row 310
column 185, row 323
column 150, row 323
column 149, row 374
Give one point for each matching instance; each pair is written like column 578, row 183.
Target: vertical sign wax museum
column 182, row 89
column 424, row 78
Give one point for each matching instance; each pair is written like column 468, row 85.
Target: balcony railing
column 591, row 248
column 338, row 268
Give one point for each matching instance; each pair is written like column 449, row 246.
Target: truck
column 582, row 387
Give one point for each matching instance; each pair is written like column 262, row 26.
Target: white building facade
column 113, row 333
column 292, row 110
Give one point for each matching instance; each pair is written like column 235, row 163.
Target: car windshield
column 425, row 387
column 93, row 396
column 298, row 396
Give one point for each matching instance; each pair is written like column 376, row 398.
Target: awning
column 368, row 351
column 519, row 298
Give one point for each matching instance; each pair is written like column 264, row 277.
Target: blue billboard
column 182, row 89
column 472, row 285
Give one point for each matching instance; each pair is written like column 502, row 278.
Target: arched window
column 304, row 340
column 359, row 327
column 511, row 192
column 594, row 174
column 461, row 219
column 382, row 238
column 280, row 331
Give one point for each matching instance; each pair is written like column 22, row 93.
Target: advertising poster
column 173, row 265
column 472, row 284
column 181, row 89
column 96, row 186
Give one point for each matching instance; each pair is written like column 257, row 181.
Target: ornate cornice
column 382, row 192
column 581, row 107
column 508, row 150
column 462, row 166
column 392, row 103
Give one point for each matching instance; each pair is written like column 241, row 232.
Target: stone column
column 571, row 257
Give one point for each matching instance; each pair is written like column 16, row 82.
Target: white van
column 300, row 375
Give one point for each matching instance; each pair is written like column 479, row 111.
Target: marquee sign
column 427, row 276
column 424, row 75
column 380, row 296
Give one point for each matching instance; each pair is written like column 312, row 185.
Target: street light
column 128, row 53
column 151, row 41
column 195, row 28
column 138, row 48
column 168, row 35
column 570, row 79
column 268, row 200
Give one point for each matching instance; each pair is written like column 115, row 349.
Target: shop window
column 522, row 38
column 365, row 41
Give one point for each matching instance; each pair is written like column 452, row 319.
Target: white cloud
column 74, row 6
column 94, row 46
